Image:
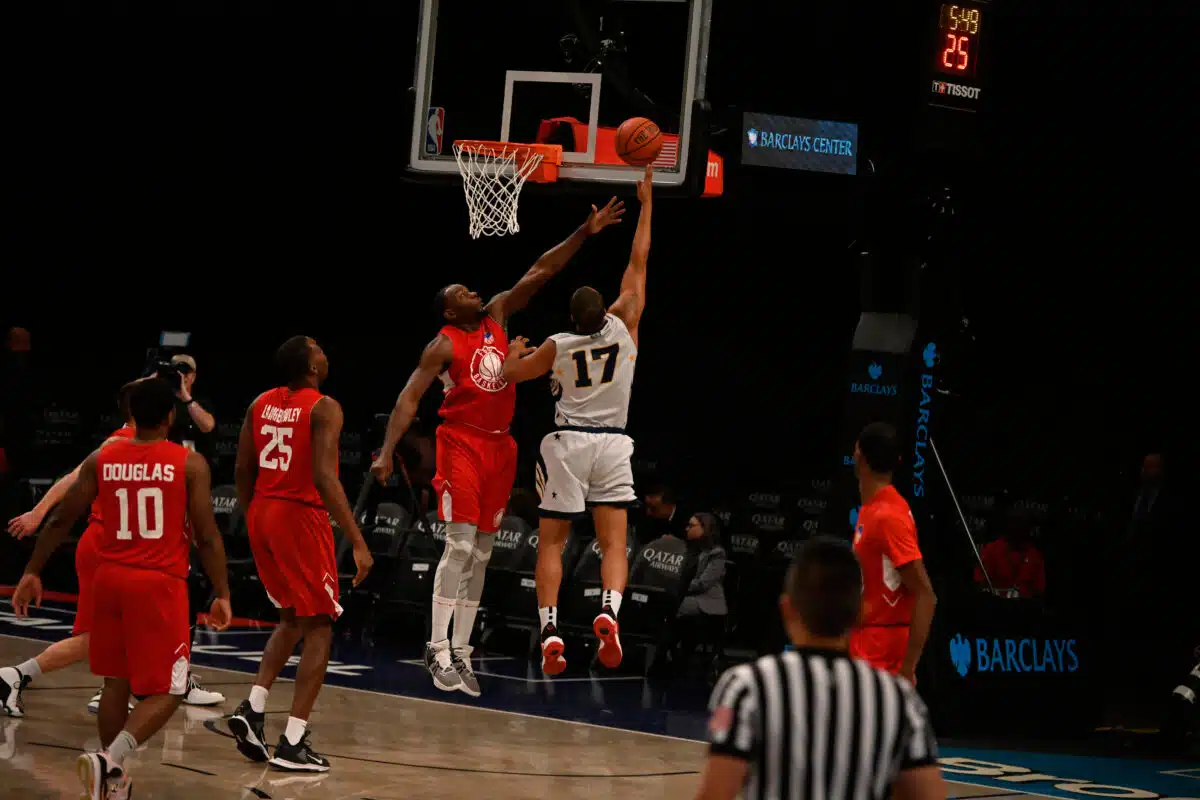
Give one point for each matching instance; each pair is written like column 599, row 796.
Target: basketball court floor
column 389, row 734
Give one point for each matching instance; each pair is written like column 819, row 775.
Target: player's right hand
column 24, row 524
column 519, row 347
column 645, row 185
column 364, row 561
column 220, row 615
column 382, row 467
column 29, row 589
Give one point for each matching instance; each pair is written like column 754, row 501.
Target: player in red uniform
column 287, row 481
column 73, row 650
column 146, row 487
column 476, row 456
column 898, row 599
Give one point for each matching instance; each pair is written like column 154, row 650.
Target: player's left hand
column 909, row 674
column 24, row 524
column 364, row 561
column 220, row 615
column 29, row 589
column 611, row 214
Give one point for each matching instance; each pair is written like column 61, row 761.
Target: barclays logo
column 752, row 137
column 1013, row 655
column 875, row 372
column 930, row 355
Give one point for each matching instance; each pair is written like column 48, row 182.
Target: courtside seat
column 509, row 594
column 658, row 578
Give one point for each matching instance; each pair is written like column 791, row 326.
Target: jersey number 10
column 583, row 377
column 277, row 443
column 147, row 528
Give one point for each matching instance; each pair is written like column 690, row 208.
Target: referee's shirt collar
column 821, row 651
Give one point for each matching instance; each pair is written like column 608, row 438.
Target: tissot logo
column 956, row 90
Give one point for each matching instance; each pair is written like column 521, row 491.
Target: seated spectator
column 664, row 515
column 1014, row 564
column 701, row 614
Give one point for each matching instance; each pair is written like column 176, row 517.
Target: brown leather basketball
column 638, row 141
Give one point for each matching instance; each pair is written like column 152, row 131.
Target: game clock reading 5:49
column 957, row 51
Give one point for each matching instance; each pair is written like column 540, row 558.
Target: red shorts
column 87, row 558
column 140, row 629
column 475, row 473
column 882, row 647
column 293, row 551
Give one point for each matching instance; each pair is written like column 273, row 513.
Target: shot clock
column 958, row 48
column 957, row 74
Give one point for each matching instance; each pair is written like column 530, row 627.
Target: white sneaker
column 11, row 684
column 94, row 703
column 199, row 696
column 101, row 779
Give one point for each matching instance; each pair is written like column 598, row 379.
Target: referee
column 811, row 722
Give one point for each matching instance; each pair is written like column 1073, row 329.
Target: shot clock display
column 957, row 50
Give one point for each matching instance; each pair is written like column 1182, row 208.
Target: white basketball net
column 492, row 181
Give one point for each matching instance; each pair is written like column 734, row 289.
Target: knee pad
column 483, row 548
column 460, row 541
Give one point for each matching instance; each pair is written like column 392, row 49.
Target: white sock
column 295, row 730
column 258, row 699
column 464, row 622
column 30, row 669
column 612, row 599
column 548, row 615
column 443, row 612
column 122, row 746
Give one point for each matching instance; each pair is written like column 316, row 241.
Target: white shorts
column 579, row 468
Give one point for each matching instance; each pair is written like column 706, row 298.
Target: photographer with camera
column 193, row 422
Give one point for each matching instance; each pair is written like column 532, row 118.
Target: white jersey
column 593, row 376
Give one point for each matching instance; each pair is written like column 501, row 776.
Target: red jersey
column 123, row 432
column 142, row 491
column 282, row 421
column 476, row 393
column 885, row 540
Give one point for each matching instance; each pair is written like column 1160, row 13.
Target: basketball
column 638, row 141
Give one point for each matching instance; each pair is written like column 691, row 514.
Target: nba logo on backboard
column 434, row 125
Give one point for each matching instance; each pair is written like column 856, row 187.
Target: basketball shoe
column 298, row 757
column 608, row 632
column 199, row 696
column 11, row 684
column 94, row 703
column 553, row 662
column 461, row 658
column 101, row 779
column 440, row 663
column 246, row 725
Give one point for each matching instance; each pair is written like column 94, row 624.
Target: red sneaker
column 553, row 662
column 608, row 632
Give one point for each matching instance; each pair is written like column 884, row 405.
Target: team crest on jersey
column 487, row 368
column 487, row 337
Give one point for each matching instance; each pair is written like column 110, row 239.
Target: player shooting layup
column 587, row 459
column 476, row 456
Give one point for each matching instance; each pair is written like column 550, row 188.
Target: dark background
column 238, row 174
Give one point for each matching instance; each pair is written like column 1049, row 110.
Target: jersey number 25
column 277, row 443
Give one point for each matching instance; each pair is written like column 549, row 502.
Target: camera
column 158, row 359
column 171, row 373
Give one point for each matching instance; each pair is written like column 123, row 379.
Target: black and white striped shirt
column 817, row 725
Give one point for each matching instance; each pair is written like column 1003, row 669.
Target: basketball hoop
column 493, row 174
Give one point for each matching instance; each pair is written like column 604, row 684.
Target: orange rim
column 545, row 172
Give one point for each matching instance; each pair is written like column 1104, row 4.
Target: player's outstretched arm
column 434, row 359
column 632, row 301
column 73, row 506
column 505, row 304
column 524, row 363
column 245, row 470
column 326, row 429
column 208, row 539
column 25, row 524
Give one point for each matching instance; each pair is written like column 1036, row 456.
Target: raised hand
column 645, row 185
column 601, row 218
column 519, row 348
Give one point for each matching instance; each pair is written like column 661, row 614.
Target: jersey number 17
column 583, row 376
